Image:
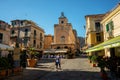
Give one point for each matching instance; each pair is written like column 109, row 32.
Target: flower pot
column 103, row 76
column 9, row 72
column 94, row 64
column 17, row 70
column 31, row 62
column 3, row 73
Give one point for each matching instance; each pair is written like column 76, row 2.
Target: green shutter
column 107, row 27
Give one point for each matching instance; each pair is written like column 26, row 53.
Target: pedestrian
column 58, row 62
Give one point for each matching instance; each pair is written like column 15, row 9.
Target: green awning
column 114, row 42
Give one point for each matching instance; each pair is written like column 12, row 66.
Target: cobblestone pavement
column 74, row 69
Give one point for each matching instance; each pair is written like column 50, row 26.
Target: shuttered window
column 110, row 26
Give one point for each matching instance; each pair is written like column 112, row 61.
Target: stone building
column 27, row 34
column 4, row 32
column 64, row 35
column 48, row 40
column 4, row 39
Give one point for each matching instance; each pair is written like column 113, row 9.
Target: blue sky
column 46, row 12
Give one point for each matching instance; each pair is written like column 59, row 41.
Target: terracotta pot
column 3, row 73
column 17, row 70
column 94, row 64
column 31, row 62
column 9, row 72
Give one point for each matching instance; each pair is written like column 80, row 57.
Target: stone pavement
column 72, row 69
column 44, row 67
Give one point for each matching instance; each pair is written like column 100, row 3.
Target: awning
column 114, row 42
column 5, row 47
column 56, row 51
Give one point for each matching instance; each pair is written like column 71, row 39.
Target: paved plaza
column 72, row 69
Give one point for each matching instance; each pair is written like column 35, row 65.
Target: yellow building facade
column 94, row 32
column 111, row 27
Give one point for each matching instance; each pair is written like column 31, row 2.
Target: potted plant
column 32, row 61
column 4, row 66
column 102, row 64
column 11, row 63
column 89, row 58
column 94, row 60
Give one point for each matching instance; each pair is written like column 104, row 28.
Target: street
column 74, row 69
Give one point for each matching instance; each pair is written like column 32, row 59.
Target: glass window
column 34, row 43
column 13, row 32
column 98, row 37
column 1, row 37
column 34, row 32
column 26, row 32
column 41, row 38
column 21, row 22
column 97, row 26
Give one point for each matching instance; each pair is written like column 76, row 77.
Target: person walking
column 58, row 62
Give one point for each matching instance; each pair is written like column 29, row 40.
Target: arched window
column 62, row 39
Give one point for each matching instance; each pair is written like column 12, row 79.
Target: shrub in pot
column 94, row 60
column 102, row 64
column 32, row 61
column 4, row 66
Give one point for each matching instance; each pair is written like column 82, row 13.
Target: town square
column 59, row 40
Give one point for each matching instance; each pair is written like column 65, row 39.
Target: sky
column 45, row 13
